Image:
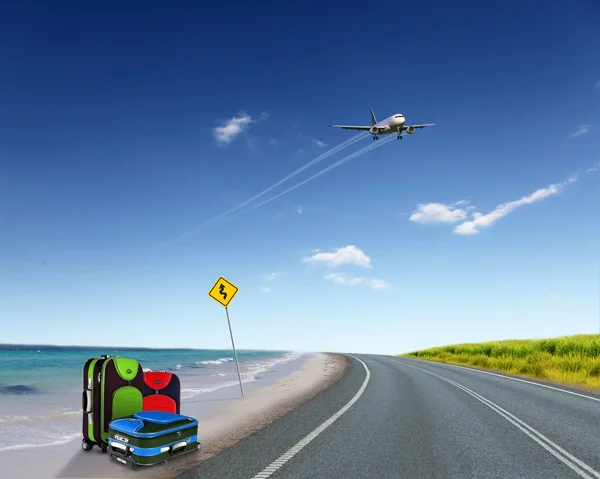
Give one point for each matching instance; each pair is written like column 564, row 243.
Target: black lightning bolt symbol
column 223, row 293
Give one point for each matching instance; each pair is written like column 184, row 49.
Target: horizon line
column 73, row 346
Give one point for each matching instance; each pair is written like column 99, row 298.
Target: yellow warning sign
column 223, row 291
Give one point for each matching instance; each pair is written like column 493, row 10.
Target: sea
column 41, row 386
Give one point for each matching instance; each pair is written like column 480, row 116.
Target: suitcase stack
column 150, row 437
column 134, row 414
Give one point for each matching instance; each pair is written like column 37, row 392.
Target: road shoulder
column 244, row 417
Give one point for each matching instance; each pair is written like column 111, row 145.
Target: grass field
column 569, row 360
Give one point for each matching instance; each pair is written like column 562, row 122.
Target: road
column 402, row 418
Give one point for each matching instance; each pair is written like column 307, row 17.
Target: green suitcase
column 112, row 388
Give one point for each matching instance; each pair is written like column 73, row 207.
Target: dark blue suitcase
column 150, row 437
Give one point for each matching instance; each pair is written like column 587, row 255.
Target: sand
column 224, row 418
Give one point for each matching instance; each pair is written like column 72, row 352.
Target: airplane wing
column 349, row 127
column 420, row 126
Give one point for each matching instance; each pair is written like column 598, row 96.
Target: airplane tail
column 373, row 119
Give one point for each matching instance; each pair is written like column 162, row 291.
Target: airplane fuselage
column 389, row 125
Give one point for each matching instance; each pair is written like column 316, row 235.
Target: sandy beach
column 224, row 418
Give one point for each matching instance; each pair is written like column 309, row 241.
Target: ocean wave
column 38, row 417
column 65, row 440
column 188, row 393
column 251, row 373
column 182, row 366
column 215, row 361
column 17, row 389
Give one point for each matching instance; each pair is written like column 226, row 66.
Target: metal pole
column 237, row 364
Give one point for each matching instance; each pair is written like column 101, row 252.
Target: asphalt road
column 400, row 418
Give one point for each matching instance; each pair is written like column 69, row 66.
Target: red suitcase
column 162, row 392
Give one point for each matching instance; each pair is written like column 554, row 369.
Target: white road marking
column 558, row 452
column 512, row 379
column 286, row 456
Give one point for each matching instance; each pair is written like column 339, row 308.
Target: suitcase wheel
column 86, row 446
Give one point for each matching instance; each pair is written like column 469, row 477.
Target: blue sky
column 125, row 130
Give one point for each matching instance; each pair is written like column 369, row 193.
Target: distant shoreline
column 11, row 347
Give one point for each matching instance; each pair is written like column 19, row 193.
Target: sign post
column 223, row 292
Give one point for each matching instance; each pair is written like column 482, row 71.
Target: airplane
column 394, row 123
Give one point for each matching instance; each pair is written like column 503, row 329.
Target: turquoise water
column 47, row 371
column 40, row 388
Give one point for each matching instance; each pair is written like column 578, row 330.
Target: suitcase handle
column 120, row 449
column 178, row 448
column 86, row 401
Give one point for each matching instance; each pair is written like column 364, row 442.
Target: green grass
column 570, row 360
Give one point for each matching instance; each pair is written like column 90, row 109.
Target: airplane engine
column 374, row 130
column 410, row 130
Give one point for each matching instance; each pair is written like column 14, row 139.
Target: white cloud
column 265, row 289
column 299, row 210
column 348, row 280
column 438, row 213
column 582, row 130
column 226, row 133
column 272, row 142
column 345, row 255
column 265, row 115
column 341, row 278
column 598, row 84
column 379, row 284
column 272, row 276
column 300, row 150
column 319, row 143
column 486, row 220
column 594, row 168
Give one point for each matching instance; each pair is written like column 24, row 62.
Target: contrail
column 322, row 172
column 318, row 159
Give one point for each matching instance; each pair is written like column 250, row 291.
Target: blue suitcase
column 150, row 437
